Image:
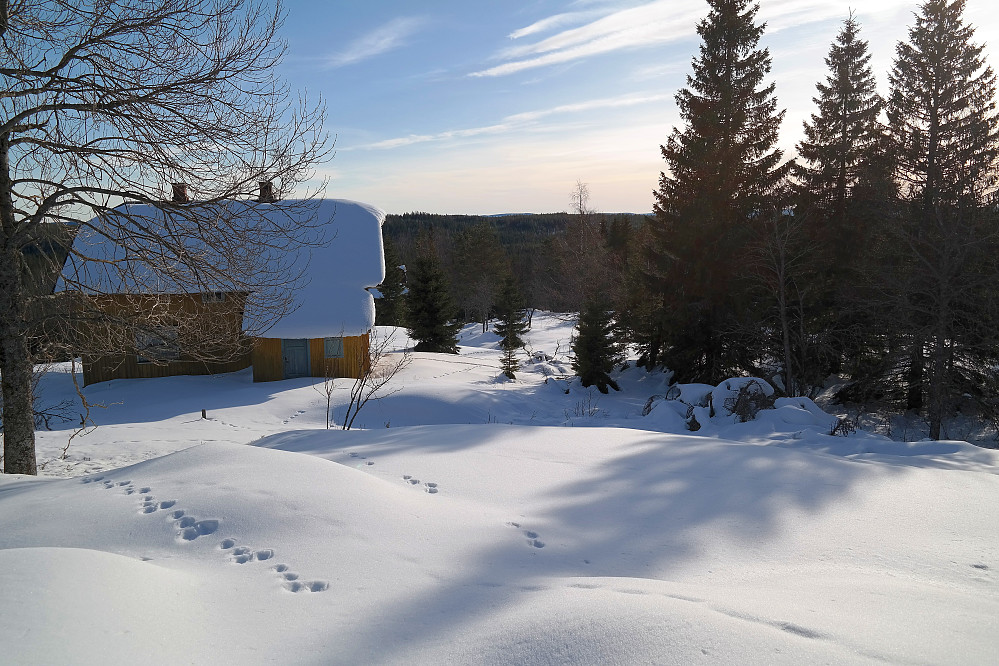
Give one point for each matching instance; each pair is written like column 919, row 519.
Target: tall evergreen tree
column 723, row 173
column 945, row 130
column 841, row 140
column 390, row 309
column 942, row 110
column 595, row 349
column 843, row 183
column 431, row 311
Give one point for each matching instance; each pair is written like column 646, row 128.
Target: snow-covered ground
column 480, row 520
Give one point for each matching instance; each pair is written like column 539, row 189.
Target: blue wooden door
column 296, row 358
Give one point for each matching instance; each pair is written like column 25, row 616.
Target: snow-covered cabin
column 325, row 333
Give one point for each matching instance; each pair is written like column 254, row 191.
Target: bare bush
column 749, row 400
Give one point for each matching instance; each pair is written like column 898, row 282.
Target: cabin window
column 157, row 344
column 213, row 297
column 333, row 347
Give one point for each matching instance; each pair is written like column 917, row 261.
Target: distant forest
column 524, row 244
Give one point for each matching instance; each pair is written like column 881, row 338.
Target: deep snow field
column 468, row 519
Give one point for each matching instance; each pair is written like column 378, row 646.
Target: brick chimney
column 266, row 192
column 180, row 193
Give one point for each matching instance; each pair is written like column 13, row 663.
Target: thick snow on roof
column 330, row 298
column 333, row 300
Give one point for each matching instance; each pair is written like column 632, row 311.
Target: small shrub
column 747, row 403
column 844, row 427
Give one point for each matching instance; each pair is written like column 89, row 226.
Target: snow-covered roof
column 330, row 298
column 334, row 300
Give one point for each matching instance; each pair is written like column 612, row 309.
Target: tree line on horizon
column 874, row 255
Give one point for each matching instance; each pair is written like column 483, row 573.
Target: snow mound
column 740, row 401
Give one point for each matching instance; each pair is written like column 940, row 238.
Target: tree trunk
column 785, row 324
column 937, row 388
column 914, row 376
column 15, row 362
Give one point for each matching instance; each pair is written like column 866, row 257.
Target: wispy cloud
column 651, row 23
column 518, row 121
column 550, row 23
column 385, row 38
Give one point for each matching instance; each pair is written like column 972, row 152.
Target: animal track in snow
column 289, row 579
column 242, row 554
column 307, row 586
column 360, row 457
column 294, row 416
column 126, row 487
column 429, row 486
column 199, row 529
column 190, row 528
column 532, row 536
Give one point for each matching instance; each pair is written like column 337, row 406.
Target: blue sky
column 492, row 106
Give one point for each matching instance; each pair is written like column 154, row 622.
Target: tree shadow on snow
column 651, row 512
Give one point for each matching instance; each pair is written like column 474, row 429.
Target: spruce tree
column 941, row 109
column 512, row 324
column 945, row 131
column 595, row 348
column 842, row 139
column 390, row 309
column 843, row 184
column 431, row 311
column 723, row 171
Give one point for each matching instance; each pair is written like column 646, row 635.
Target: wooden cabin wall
column 356, row 358
column 198, row 321
column 268, row 363
column 125, row 366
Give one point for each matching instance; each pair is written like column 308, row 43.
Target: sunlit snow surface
column 478, row 520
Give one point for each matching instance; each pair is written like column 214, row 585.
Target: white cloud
column 651, row 23
column 517, row 121
column 551, row 22
column 390, row 36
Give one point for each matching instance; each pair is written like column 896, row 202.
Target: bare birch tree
column 107, row 102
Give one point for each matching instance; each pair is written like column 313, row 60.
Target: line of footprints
column 533, row 539
column 429, row 486
column 190, row 528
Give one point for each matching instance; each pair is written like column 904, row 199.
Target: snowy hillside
column 479, row 520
